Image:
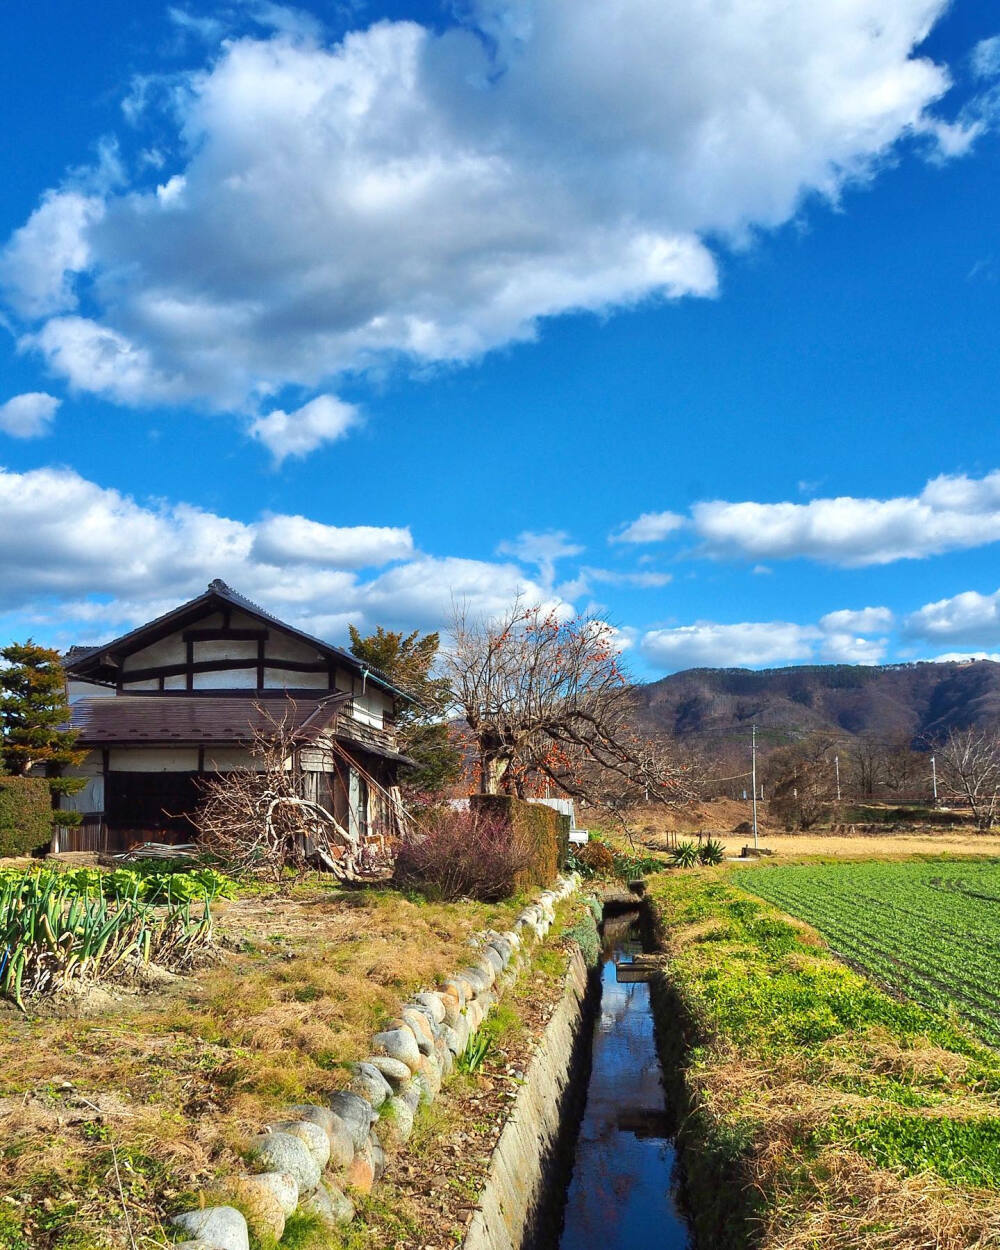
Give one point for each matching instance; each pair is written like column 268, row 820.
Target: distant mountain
column 892, row 702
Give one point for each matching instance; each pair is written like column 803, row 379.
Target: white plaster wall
column 278, row 679
column 171, row 650
column 152, row 683
column 229, row 679
column 175, row 683
column 153, row 760
column 280, row 646
column 233, row 649
column 87, row 690
column 224, row 759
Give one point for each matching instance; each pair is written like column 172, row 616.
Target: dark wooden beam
column 224, row 666
column 189, row 667
column 225, row 635
column 261, row 652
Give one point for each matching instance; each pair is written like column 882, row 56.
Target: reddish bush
column 597, row 857
column 470, row 854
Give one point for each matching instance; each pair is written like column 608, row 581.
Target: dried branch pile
column 258, row 821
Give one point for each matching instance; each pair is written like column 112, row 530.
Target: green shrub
column 25, row 815
column 712, row 852
column 685, row 855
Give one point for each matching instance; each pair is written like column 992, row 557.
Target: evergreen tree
column 407, row 661
column 34, row 714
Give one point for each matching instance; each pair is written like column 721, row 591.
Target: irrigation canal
column 621, row 1190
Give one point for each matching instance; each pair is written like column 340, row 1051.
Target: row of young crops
column 62, row 927
column 928, row 929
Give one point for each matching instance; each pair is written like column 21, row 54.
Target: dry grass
column 792, row 846
column 176, row 1081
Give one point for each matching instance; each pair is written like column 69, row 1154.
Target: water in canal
column 620, row 1192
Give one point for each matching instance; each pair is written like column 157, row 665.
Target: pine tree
column 424, row 734
column 34, row 714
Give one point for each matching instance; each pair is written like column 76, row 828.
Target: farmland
column 818, row 1111
column 929, row 929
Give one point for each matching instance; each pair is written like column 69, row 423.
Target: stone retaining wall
column 314, row 1153
column 515, row 1181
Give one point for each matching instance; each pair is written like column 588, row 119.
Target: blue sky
column 369, row 309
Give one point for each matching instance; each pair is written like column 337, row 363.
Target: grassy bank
column 115, row 1104
column 823, row 1111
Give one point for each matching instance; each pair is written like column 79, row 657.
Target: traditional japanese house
column 182, row 697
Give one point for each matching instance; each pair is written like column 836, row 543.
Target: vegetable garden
column 56, row 927
column 928, row 929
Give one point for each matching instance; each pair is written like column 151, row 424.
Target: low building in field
column 182, row 697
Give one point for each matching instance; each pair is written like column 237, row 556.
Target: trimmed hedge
column 26, row 815
column 545, row 830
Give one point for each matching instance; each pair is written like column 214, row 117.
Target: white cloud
column 541, row 550
column 99, row 559
column 29, row 415
column 986, row 58
column 40, row 260
column 969, row 616
column 862, row 621
column 747, row 644
column 324, row 419
column 965, row 657
column 430, row 195
column 641, row 580
column 94, row 358
column 297, row 540
column 951, row 513
column 651, row 527
column 842, row 648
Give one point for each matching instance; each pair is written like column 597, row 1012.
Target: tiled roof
column 195, row 719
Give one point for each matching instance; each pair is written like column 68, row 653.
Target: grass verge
column 820, row 1111
column 112, row 1108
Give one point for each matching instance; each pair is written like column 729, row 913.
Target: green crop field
column 929, row 930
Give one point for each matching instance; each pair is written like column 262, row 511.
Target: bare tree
column 969, row 766
column 259, row 822
column 866, row 766
column 547, row 700
column 800, row 780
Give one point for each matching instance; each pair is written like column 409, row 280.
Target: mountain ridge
column 893, row 702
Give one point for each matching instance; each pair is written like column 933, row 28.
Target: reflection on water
column 620, row 1193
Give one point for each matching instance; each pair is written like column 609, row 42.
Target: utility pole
column 753, row 770
column 836, row 765
column 934, row 777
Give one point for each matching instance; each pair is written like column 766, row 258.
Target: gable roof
column 87, row 662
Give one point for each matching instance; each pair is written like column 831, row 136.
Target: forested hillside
column 891, row 703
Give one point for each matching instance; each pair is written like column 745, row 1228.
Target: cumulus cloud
column 747, row 644
column 29, row 415
column 100, row 558
column 862, row 621
column 968, row 617
column 952, row 512
column 297, row 540
column 430, row 194
column 839, row 648
column 324, row 419
column 651, row 527
column 838, row 638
